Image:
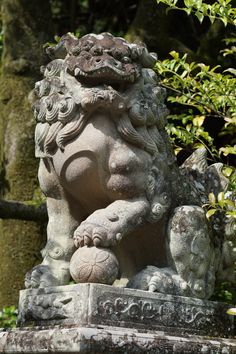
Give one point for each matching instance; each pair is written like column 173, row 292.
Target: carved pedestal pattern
column 96, row 304
column 95, row 318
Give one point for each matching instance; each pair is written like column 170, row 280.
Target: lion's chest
column 83, row 163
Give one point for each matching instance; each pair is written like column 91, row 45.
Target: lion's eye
column 126, row 60
column 85, row 55
column 116, row 54
column 97, row 50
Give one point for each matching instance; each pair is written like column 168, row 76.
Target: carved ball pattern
column 94, row 265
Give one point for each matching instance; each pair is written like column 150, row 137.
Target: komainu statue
column 113, row 187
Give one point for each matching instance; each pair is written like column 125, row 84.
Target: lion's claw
column 43, row 275
column 40, row 276
column 93, row 235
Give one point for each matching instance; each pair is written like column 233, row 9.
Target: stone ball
column 94, row 265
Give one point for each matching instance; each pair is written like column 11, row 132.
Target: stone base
column 96, row 304
column 95, row 318
column 107, row 340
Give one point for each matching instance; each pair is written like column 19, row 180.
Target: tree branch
column 21, row 211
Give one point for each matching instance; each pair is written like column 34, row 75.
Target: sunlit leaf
column 210, row 212
column 221, row 197
column 232, row 311
column 198, row 120
column 227, row 171
column 212, row 198
column 200, row 16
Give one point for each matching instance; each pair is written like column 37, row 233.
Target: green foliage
column 232, row 311
column 222, row 10
column 38, row 198
column 232, row 49
column 200, row 95
column 205, row 93
column 86, row 16
column 8, row 317
column 225, row 292
column 224, row 202
column 58, row 38
column 220, row 203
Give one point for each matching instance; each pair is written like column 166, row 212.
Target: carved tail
column 206, row 179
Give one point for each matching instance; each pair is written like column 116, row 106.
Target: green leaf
column 200, row 16
column 210, row 212
column 230, row 203
column 231, row 311
column 228, row 150
column 231, row 71
column 198, row 121
column 177, row 150
column 188, row 10
column 224, row 19
column 212, row 19
column 212, row 198
column 221, row 199
column 227, row 171
column 57, row 38
column 174, row 54
column 188, row 3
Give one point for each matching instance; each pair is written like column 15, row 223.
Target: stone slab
column 100, row 340
column 96, row 304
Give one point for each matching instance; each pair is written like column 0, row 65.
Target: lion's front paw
column 44, row 276
column 96, row 234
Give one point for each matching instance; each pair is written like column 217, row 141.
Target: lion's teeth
column 77, row 71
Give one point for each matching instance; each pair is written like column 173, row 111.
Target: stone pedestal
column 94, row 318
column 109, row 340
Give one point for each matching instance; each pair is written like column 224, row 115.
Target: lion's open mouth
column 105, row 73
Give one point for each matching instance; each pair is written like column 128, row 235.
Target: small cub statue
column 113, row 187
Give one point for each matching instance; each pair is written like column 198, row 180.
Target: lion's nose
column 109, row 61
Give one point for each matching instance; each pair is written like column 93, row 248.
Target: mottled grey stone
column 96, row 304
column 108, row 340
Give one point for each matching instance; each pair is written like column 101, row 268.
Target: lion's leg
column 192, row 260
column 54, row 269
column 124, row 181
column 106, row 227
column 191, row 251
column 162, row 280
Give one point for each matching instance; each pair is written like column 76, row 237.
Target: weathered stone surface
column 108, row 340
column 111, row 178
column 96, row 304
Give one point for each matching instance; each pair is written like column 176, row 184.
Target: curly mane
column 62, row 112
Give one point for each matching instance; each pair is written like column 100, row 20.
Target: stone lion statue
column 111, row 179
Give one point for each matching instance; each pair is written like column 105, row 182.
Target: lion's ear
column 148, row 60
column 63, row 47
column 140, row 53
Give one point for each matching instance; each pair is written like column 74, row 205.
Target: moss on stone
column 20, row 242
column 26, row 27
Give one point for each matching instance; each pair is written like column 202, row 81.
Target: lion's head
column 99, row 72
